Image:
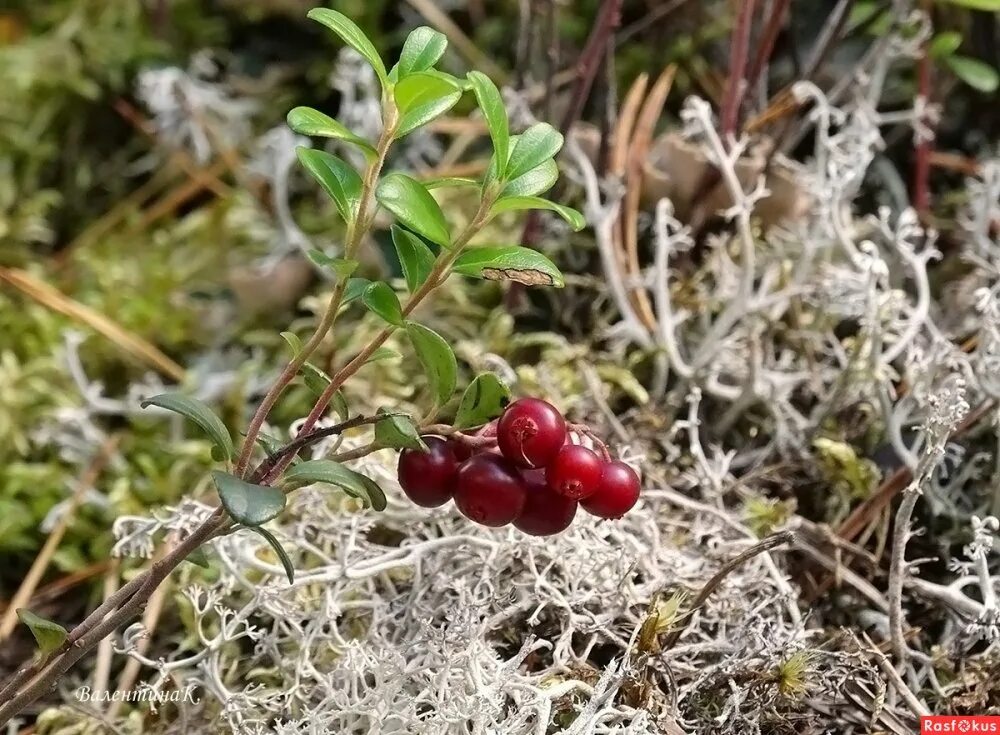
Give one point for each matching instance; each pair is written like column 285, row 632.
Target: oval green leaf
column 491, row 103
column 341, row 267
column 534, row 146
column 247, row 503
column 352, row 36
column 202, row 415
column 446, row 182
column 420, row 98
column 509, row 263
column 308, row 121
column 517, row 204
column 382, row 300
column 48, row 635
column 437, row 359
column 398, row 432
column 484, row 400
column 977, row 74
column 415, row 258
column 332, row 473
column 279, row 550
column 536, row 181
column 422, row 49
column 944, row 44
column 337, row 177
column 414, row 207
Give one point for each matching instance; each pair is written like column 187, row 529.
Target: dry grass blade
column 54, row 299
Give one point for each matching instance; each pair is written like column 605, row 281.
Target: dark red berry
column 617, row 493
column 531, row 432
column 489, row 491
column 575, row 472
column 545, row 513
column 428, row 478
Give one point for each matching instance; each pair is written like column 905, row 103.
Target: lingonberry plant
column 256, row 478
column 523, row 468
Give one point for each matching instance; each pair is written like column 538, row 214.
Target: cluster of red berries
column 522, row 469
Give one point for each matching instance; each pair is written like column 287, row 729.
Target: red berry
column 428, row 478
column 531, row 432
column 617, row 493
column 575, row 472
column 462, row 450
column 489, row 490
column 545, row 513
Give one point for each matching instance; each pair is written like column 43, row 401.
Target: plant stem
column 356, row 229
column 736, row 86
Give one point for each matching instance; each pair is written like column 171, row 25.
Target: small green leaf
column 422, row 49
column 337, row 177
column 990, row 6
column 536, row 181
column 437, row 359
column 977, row 74
column 352, row 36
column 443, row 182
column 509, row 263
column 198, row 557
column 342, row 267
column 246, row 503
column 414, row 207
column 293, row 341
column 420, row 98
column 381, row 354
column 484, row 399
column 307, row 121
column 491, row 104
column 354, row 289
column 517, row 204
column 534, row 146
column 279, row 550
column 944, row 44
column 398, row 432
column 198, row 412
column 339, row 403
column 48, row 635
column 332, row 473
column 415, row 258
column 381, row 300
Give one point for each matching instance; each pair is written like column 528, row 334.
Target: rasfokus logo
column 959, row 724
column 155, row 697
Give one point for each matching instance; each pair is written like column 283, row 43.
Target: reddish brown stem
column 736, row 83
column 770, row 36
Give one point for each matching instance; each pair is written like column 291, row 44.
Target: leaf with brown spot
column 509, row 263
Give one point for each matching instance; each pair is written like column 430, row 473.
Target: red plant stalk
column 737, row 83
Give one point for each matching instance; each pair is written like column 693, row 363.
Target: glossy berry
column 428, row 478
column 575, row 472
column 531, row 432
column 617, row 493
column 461, row 450
column 489, row 491
column 545, row 513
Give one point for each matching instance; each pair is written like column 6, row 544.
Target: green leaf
column 354, row 289
column 293, row 341
column 198, row 557
column 944, row 44
column 414, row 207
column 398, row 432
column 422, row 49
column 246, row 503
column 382, row 353
column 977, row 74
column 337, row 177
column 536, row 181
column 509, row 263
column 352, row 36
column 332, row 473
column 534, row 146
column 517, row 204
column 420, row 98
column 381, row 300
column 279, row 550
column 415, row 258
column 48, row 635
column 491, row 104
column 990, row 6
column 201, row 414
column 484, row 399
column 307, row 121
column 342, row 267
column 437, row 359
column 443, row 182
column 317, row 381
